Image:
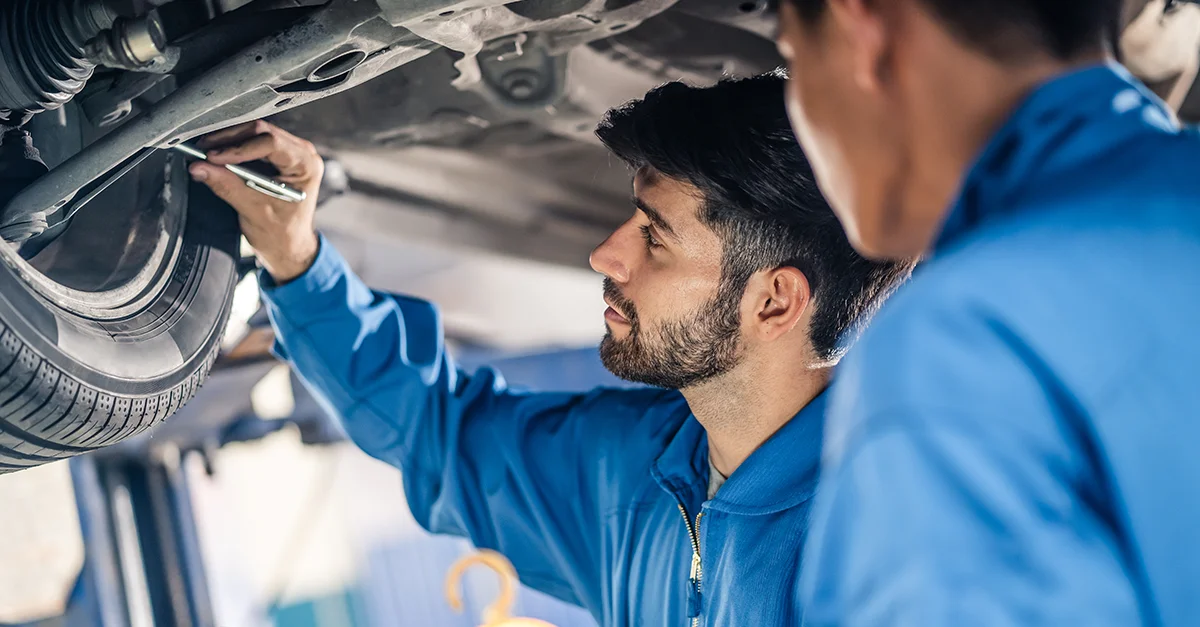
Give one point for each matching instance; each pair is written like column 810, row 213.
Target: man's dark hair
column 733, row 142
column 1006, row 29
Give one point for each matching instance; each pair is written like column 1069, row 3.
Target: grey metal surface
column 143, row 39
column 254, row 81
column 115, row 101
column 522, row 165
column 137, row 44
column 241, row 88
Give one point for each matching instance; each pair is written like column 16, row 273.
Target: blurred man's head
column 731, row 252
column 893, row 99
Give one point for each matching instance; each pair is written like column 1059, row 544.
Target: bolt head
column 522, row 84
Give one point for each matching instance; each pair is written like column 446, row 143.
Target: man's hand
column 281, row 232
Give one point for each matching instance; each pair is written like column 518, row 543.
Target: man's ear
column 868, row 26
column 780, row 299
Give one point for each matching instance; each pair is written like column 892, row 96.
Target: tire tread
column 46, row 414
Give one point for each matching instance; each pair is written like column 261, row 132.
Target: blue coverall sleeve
column 513, row 472
column 954, row 493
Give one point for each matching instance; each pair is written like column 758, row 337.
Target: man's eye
column 647, row 235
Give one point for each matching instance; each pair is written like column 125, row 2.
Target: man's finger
column 233, row 134
column 257, row 147
column 289, row 157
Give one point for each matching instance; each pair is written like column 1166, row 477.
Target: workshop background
column 248, row 507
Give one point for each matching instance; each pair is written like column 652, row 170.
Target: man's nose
column 607, row 258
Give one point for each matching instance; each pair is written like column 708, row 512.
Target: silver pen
column 254, row 180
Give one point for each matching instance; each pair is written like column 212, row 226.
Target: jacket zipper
column 697, row 571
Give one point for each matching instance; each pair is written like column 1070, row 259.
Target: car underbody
column 468, row 122
column 519, row 86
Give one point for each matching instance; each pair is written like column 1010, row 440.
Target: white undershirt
column 715, row 480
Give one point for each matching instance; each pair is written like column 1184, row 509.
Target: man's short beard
column 678, row 354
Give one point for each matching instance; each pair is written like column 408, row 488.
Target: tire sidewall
column 164, row 343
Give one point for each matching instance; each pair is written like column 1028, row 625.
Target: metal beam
column 143, row 565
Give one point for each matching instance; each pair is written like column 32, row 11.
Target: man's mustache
column 613, row 295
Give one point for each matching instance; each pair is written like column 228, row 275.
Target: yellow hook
column 496, row 614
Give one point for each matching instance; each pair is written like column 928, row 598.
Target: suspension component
column 49, row 49
column 129, row 44
column 42, row 62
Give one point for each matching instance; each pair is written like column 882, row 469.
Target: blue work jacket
column 1016, row 439
column 598, row 499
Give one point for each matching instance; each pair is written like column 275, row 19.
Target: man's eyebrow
column 655, row 217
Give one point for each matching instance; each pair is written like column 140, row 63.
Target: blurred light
column 245, row 304
column 272, row 397
column 137, row 589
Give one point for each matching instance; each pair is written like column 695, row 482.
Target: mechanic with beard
column 732, row 286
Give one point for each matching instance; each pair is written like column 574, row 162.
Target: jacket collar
column 781, row 474
column 1062, row 124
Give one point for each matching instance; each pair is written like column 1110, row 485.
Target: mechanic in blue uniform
column 1015, row 439
column 732, row 288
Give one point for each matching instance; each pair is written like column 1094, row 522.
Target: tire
column 76, row 376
